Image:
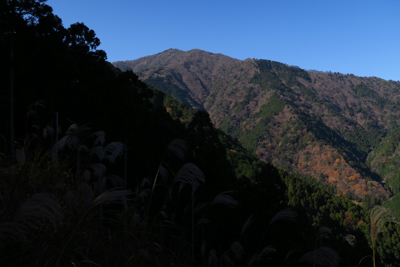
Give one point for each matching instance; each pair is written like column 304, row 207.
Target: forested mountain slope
column 188, row 77
column 314, row 123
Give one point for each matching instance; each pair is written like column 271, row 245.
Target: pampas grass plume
column 225, row 199
column 11, row 231
column 98, row 169
column 163, row 173
column 115, row 149
column 111, row 196
column 116, row 181
column 323, row 256
column 179, row 147
column 237, row 250
column 258, row 257
column 189, row 174
column 286, row 214
column 100, row 138
column 350, row 239
column 246, row 225
column 212, row 258
column 38, row 211
column 99, row 151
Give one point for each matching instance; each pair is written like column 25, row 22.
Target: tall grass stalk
column 178, row 147
column 378, row 217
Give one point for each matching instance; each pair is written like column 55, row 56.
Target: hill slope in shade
column 313, row 123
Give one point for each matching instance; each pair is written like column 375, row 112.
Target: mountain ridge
column 320, row 124
column 191, row 71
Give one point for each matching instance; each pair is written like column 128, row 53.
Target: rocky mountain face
column 331, row 126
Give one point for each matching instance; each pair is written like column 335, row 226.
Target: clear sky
column 361, row 37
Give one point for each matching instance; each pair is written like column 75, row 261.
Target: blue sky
column 352, row 36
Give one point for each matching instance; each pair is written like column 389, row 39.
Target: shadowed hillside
column 98, row 168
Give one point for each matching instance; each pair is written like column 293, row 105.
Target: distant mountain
column 313, row 123
column 187, row 76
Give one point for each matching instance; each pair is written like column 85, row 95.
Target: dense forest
column 98, row 168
